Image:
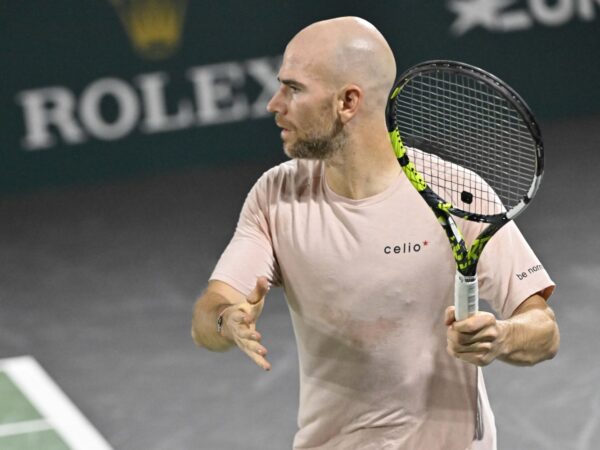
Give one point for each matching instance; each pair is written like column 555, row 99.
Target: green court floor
column 21, row 424
column 36, row 415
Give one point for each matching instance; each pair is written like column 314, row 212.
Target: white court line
column 31, row 426
column 53, row 404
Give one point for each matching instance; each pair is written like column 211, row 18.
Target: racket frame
column 466, row 258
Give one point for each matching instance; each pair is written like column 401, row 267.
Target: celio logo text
column 406, row 247
column 218, row 93
column 504, row 16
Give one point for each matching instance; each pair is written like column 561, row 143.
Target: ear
column 349, row 100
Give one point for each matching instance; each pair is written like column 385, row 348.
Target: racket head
column 467, row 141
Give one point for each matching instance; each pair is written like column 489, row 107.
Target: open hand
column 239, row 324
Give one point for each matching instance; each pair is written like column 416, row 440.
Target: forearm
column 529, row 336
column 204, row 322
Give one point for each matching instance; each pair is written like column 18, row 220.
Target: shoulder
column 290, row 177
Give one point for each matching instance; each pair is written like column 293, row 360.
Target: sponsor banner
column 506, row 16
column 112, row 88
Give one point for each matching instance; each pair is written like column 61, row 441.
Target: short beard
column 321, row 146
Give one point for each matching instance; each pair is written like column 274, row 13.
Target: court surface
column 98, row 285
column 35, row 413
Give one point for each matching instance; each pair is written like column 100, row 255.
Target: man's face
column 317, row 134
column 304, row 107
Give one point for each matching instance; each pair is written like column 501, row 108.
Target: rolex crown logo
column 154, row 27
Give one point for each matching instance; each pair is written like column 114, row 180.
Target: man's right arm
column 239, row 313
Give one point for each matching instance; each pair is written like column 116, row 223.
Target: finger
column 238, row 317
column 259, row 360
column 242, row 315
column 257, row 353
column 449, row 316
column 480, row 359
column 478, row 347
column 252, row 346
column 249, row 334
column 259, row 292
column 248, row 340
column 475, row 323
column 488, row 334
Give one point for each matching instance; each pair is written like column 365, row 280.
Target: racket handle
column 466, row 296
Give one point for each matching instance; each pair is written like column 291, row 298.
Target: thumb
column 450, row 318
column 259, row 292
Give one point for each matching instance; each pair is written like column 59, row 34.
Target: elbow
column 551, row 347
column 554, row 335
column 195, row 337
column 554, row 343
column 195, row 328
column 200, row 339
column 545, row 347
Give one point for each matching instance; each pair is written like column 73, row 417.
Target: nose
column 276, row 104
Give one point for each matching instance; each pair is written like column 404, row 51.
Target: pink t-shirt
column 367, row 282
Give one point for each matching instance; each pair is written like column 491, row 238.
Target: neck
column 365, row 166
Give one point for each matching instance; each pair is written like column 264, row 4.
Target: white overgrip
column 466, row 296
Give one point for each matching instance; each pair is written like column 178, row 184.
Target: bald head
column 346, row 50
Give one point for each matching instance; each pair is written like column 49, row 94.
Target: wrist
column 506, row 331
column 221, row 322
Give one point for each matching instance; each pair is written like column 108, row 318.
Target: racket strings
column 471, row 144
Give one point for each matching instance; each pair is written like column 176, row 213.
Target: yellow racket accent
column 415, row 177
column 397, row 144
column 477, row 247
column 445, row 207
column 409, row 169
column 457, row 243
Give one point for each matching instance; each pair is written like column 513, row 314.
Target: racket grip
column 466, row 296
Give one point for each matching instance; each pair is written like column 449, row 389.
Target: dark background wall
column 102, row 89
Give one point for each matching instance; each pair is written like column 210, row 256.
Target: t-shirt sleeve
column 509, row 272
column 250, row 253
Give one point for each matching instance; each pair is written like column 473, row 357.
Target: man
column 383, row 363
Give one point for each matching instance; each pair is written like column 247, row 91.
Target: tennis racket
column 472, row 148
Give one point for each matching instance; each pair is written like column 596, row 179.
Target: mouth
column 284, row 134
column 282, row 125
column 285, row 130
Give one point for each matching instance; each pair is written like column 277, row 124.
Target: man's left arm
column 528, row 337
